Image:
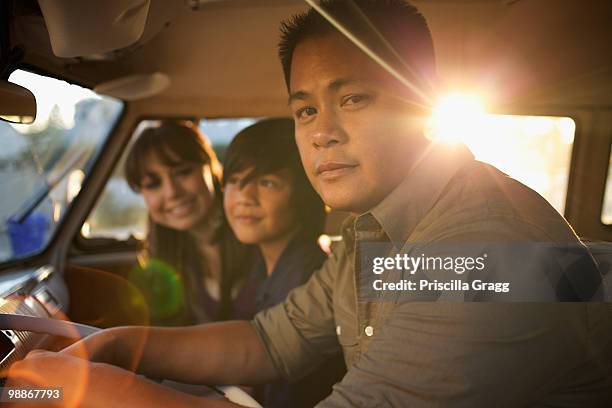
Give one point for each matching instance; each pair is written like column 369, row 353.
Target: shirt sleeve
column 299, row 333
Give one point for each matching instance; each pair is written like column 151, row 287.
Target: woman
column 194, row 263
column 270, row 203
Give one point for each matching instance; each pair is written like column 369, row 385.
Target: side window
column 121, row 214
column 606, row 210
column 42, row 165
column 535, row 150
column 220, row 132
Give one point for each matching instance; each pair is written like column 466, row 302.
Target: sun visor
column 80, row 28
column 134, row 87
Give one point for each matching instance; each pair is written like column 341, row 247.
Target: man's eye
column 305, row 113
column 354, row 100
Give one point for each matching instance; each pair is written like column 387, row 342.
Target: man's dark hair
column 375, row 22
column 268, row 147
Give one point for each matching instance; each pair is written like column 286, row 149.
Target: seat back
column 602, row 252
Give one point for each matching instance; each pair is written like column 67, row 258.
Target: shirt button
column 369, row 331
column 338, row 330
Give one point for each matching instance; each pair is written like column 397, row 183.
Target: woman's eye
column 305, row 113
column 149, row 184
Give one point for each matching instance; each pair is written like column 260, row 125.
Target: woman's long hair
column 183, row 140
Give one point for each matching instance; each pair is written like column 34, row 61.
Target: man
column 358, row 131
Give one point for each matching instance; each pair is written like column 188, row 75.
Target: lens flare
column 535, row 150
column 454, row 118
column 162, row 286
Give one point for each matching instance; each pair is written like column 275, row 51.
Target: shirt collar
column 399, row 212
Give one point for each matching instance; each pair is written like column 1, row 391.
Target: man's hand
column 216, row 353
column 93, row 385
column 45, row 369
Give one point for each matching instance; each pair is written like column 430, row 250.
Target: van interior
column 93, row 74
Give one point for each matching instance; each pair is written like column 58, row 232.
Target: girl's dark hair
column 267, row 147
column 176, row 142
column 173, row 143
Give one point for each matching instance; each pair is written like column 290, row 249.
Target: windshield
column 42, row 165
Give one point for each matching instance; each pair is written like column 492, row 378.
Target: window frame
column 52, row 242
column 99, row 245
column 608, row 227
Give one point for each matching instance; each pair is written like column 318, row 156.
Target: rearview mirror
column 17, row 104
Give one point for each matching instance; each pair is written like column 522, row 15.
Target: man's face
column 353, row 129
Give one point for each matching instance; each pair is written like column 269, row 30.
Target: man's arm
column 214, row 353
column 85, row 384
column 298, row 334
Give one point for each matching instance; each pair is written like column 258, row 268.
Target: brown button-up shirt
column 408, row 353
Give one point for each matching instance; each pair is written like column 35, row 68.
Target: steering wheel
column 45, row 325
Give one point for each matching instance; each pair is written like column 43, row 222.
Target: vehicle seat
column 602, row 252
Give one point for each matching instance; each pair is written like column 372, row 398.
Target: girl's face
column 260, row 211
column 177, row 196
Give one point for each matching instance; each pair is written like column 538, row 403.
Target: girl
column 195, row 265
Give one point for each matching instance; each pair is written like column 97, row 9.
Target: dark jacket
column 294, row 267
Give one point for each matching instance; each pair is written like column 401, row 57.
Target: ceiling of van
column 222, row 59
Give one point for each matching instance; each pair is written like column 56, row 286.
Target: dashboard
column 34, row 301
column 31, row 292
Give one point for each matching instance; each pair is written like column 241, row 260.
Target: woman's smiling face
column 178, row 196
